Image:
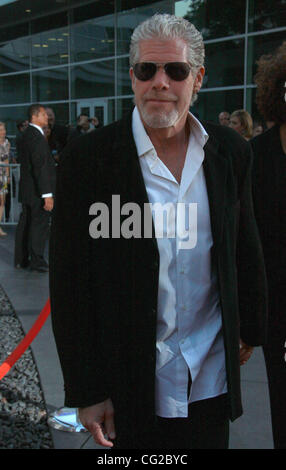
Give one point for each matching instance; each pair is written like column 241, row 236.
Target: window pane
column 210, row 104
column 93, row 39
column 124, row 82
column 122, row 5
column 224, row 64
column 15, row 55
column 266, row 15
column 259, row 45
column 50, row 85
column 50, row 48
column 129, row 19
column 124, row 106
column 9, row 33
column 93, row 80
column 111, row 111
column 15, row 88
column 45, row 23
column 214, row 19
column 10, row 116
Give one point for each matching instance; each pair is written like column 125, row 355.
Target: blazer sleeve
column 76, row 311
column 40, row 159
column 251, row 274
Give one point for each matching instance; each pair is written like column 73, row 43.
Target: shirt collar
column 143, row 142
column 37, row 127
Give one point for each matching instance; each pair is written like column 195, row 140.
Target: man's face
column 41, row 118
column 51, row 117
column 24, row 126
column 84, row 123
column 235, row 123
column 163, row 102
column 224, row 119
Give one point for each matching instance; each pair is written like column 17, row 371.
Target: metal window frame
column 69, row 65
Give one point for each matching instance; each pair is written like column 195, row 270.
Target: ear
column 199, row 79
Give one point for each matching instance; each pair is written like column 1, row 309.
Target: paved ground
column 28, row 293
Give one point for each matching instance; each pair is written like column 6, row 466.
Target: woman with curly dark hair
column 269, row 190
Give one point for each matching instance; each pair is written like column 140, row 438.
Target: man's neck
column 36, row 123
column 169, row 140
column 171, row 147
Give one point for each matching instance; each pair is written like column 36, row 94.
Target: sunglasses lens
column 144, row 71
column 177, row 71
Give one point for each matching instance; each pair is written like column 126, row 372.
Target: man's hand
column 98, row 420
column 49, row 204
column 245, row 352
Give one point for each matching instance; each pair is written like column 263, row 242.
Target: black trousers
column 21, row 250
column 206, row 427
column 275, row 360
column 31, row 234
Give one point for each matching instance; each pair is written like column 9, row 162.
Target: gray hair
column 165, row 26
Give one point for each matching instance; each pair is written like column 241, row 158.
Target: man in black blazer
column 152, row 327
column 36, row 187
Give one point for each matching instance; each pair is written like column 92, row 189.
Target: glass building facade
column 73, row 55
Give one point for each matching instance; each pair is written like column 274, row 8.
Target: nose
column 160, row 79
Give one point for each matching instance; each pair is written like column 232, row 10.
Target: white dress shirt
column 189, row 326
column 42, row 132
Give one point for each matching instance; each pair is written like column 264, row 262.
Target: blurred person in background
column 21, row 126
column 257, row 128
column 223, row 118
column 270, row 124
column 56, row 134
column 241, row 122
column 82, row 127
column 94, row 122
column 4, row 170
column 269, row 189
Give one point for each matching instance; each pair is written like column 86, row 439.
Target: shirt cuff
column 47, row 195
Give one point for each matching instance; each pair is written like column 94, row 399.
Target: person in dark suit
column 269, row 191
column 152, row 321
column 36, row 187
column 58, row 134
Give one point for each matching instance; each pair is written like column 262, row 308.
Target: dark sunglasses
column 177, row 71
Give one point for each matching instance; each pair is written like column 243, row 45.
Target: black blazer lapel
column 128, row 174
column 215, row 169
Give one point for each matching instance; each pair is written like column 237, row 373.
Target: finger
column 244, row 355
column 98, row 436
column 109, row 425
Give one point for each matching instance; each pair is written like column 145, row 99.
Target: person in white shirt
column 166, row 320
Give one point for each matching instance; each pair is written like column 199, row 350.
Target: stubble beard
column 158, row 119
